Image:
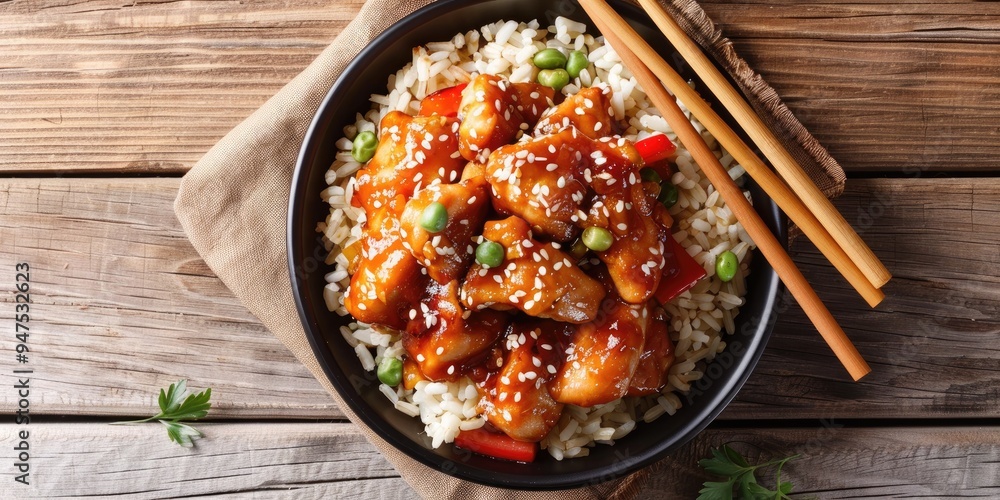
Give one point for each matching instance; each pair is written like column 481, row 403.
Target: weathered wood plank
column 233, row 460
column 149, row 87
column 885, row 86
column 842, row 462
column 334, row 461
column 123, row 305
column 123, row 302
column 931, row 344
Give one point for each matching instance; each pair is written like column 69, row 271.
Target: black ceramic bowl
column 359, row 389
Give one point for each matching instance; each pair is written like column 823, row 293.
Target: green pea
column 597, row 239
column 549, row 59
column 390, row 371
column 576, row 63
column 578, row 249
column 489, row 253
column 668, row 194
column 364, row 146
column 554, row 78
column 434, row 218
column 726, row 265
column 649, row 174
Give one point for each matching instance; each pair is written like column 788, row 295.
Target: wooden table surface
column 104, row 105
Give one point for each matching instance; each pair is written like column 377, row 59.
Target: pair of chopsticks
column 800, row 199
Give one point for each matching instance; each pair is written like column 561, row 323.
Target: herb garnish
column 728, row 463
column 176, row 405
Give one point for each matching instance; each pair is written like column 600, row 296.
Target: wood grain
column 124, row 302
column 305, row 460
column 149, row 87
column 232, row 461
column 123, row 305
column 884, row 86
column 931, row 344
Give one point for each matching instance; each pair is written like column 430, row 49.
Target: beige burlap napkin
column 233, row 206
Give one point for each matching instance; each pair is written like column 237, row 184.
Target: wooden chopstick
column 787, row 200
column 733, row 195
column 798, row 180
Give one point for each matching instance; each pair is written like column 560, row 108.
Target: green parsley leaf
column 740, row 474
column 176, row 406
column 181, row 434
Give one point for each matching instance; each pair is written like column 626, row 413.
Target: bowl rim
column 406, row 444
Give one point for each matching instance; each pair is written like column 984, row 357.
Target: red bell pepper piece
column 655, row 148
column 496, row 445
column 680, row 273
column 444, row 102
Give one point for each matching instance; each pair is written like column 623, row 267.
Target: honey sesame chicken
column 496, row 112
column 412, row 152
column 444, row 340
column 516, row 398
column 537, row 278
column 603, row 355
column 657, row 356
column 533, row 327
column 446, row 255
column 589, row 111
column 538, row 180
column 388, row 279
column 577, row 182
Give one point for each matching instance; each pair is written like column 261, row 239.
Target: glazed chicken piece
column 589, row 111
column 448, row 253
column 496, row 112
column 640, row 225
column 388, row 280
column 539, row 181
column 603, row 356
column 657, row 356
column 412, row 152
column 443, row 341
column 535, row 277
column 516, row 399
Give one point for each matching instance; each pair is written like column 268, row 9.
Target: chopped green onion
column 649, row 174
column 668, row 194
